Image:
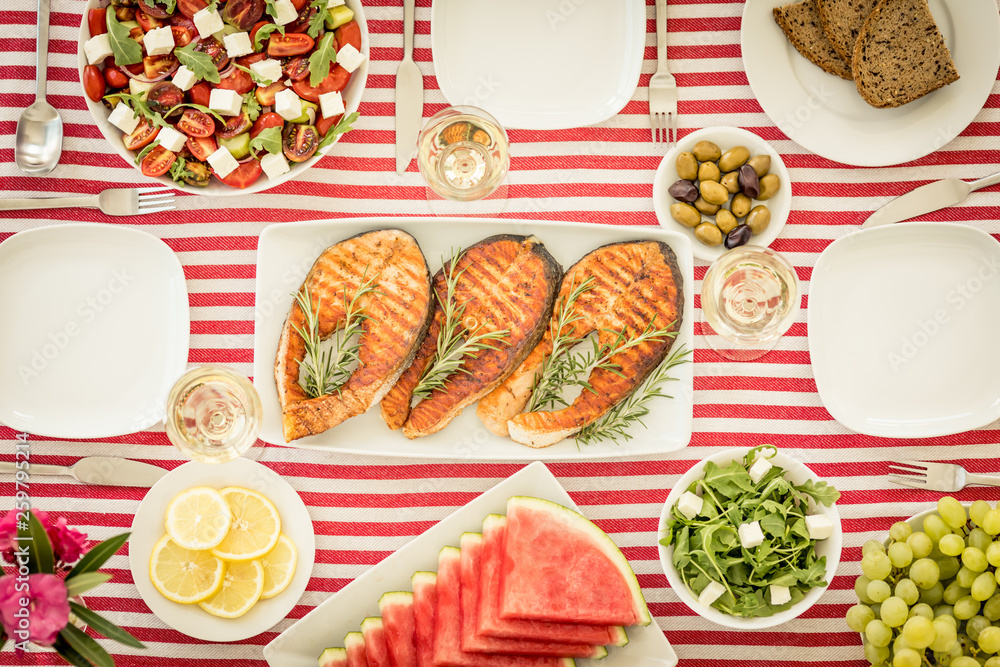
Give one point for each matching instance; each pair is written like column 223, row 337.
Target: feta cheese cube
column 286, row 12
column 123, row 118
column 171, row 139
column 274, row 165
column 222, row 162
column 237, row 44
column 711, row 593
column 269, row 69
column 349, row 57
column 690, row 504
column 207, row 22
column 334, row 3
column 159, row 41
column 97, row 48
column 331, row 104
column 819, row 527
column 226, row 102
column 780, row 594
column 138, row 88
column 751, row 535
column 759, row 469
column 184, row 78
column 287, row 104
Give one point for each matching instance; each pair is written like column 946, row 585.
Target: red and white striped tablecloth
column 364, row 508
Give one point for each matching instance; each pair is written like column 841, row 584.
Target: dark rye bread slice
column 841, row 21
column 901, row 55
column 801, row 25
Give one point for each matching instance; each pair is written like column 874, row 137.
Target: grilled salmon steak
column 504, row 282
column 634, row 285
column 396, row 318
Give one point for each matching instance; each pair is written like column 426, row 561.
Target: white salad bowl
column 352, row 99
column 795, row 472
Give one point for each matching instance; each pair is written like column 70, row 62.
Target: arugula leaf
column 269, row 140
column 251, row 105
column 257, row 78
column 125, row 49
column 199, row 63
column 178, row 170
column 203, row 109
column 342, row 127
column 212, row 5
column 264, row 32
column 140, row 108
column 821, row 492
column 322, row 59
column 145, row 151
column 171, row 5
column 318, row 21
column 271, row 9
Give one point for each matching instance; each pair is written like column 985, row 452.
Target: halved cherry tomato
column 191, row 7
column 237, row 80
column 334, row 82
column 264, row 121
column 154, row 66
column 257, row 26
column 296, row 69
column 300, row 142
column 198, row 174
column 157, row 162
column 163, row 96
column 349, row 33
column 153, row 9
column 246, row 61
column 299, row 4
column 243, row 176
column 211, row 46
column 147, row 22
column 201, row 147
column 242, row 14
column 182, row 35
column 323, row 124
column 234, row 125
column 93, row 82
column 97, row 21
column 113, row 74
column 196, row 123
column 141, row 136
column 200, row 93
column 265, row 94
column 294, row 44
column 137, row 68
column 138, row 35
column 301, row 24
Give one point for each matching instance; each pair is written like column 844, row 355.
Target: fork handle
column 48, row 202
column 985, row 480
column 661, row 34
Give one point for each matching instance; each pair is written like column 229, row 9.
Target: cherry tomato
column 201, row 177
column 97, row 21
column 242, row 14
column 237, row 80
column 93, row 82
column 181, row 21
column 163, row 96
column 157, row 162
column 200, row 93
column 147, row 22
column 243, row 176
column 201, row 147
column 323, row 124
column 113, row 74
column 234, row 125
column 211, row 46
column 294, row 44
column 334, row 82
column 246, row 61
column 182, row 35
column 300, row 142
column 257, row 26
column 299, row 4
column 154, row 66
column 349, row 33
column 264, row 121
column 141, row 136
column 301, row 24
column 137, row 68
column 191, row 7
column 296, row 69
column 196, row 123
column 137, row 34
column 155, row 10
column 265, row 94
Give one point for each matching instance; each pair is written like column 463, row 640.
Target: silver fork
column 662, row 87
column 936, row 476
column 114, row 201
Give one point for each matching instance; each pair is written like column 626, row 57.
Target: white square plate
column 902, row 321
column 94, row 330
column 285, row 254
column 327, row 624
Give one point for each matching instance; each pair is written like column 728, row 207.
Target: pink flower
column 38, row 612
column 68, row 544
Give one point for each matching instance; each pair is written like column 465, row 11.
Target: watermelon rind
column 354, row 642
column 428, row 577
column 332, row 657
column 618, row 636
column 397, row 597
column 575, row 521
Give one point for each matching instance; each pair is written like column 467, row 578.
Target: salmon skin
column 397, row 317
column 634, row 285
column 504, row 282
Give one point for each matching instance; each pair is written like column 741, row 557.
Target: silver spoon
column 38, row 142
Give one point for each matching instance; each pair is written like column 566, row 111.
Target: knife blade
column 409, row 95
column 103, row 470
column 927, row 198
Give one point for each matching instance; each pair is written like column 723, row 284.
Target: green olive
column 731, row 181
column 709, row 171
column 769, row 185
column 725, row 221
column 761, row 164
column 758, row 219
column 714, row 193
column 740, row 205
column 705, row 207
column 734, row 158
column 706, row 151
column 686, row 214
column 687, row 166
column 708, row 234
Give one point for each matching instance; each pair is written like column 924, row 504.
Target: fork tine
column 156, row 199
column 926, row 465
column 908, row 471
column 144, row 211
column 915, row 482
column 672, row 132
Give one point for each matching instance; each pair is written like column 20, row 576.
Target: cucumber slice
column 304, row 118
column 239, row 145
column 130, row 24
column 339, row 16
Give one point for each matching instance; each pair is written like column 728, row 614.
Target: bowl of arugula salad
column 750, row 538
column 223, row 97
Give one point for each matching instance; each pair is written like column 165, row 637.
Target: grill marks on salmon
column 505, row 282
column 397, row 318
column 633, row 285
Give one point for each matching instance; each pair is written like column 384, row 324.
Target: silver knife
column 409, row 95
column 105, row 470
column 925, row 199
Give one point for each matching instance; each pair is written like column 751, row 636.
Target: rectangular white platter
column 327, row 624
column 287, row 251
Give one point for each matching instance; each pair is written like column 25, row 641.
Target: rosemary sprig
column 455, row 341
column 619, row 418
column 322, row 372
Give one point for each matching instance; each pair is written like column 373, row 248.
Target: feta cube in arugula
column 349, row 57
column 97, row 48
column 159, row 41
column 690, row 504
column 226, row 102
column 780, row 594
column 274, row 165
column 819, row 527
column 751, row 535
column 711, row 593
column 237, row 44
column 222, row 162
column 124, row 118
column 184, row 78
column 207, row 21
column 759, row 468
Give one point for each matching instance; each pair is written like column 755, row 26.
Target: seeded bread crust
column 900, row 55
column 841, row 21
column 801, row 24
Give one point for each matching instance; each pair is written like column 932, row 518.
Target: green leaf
column 125, row 49
column 730, row 481
column 140, row 108
column 171, row 5
column 70, row 654
column 103, row 626
column 264, row 32
column 257, row 78
column 774, row 525
column 199, row 63
column 820, row 491
column 322, row 58
column 251, row 105
column 342, row 127
column 145, row 151
column 82, row 583
column 318, row 21
column 85, row 645
column 269, row 140
column 40, row 547
column 178, row 170
column 198, row 107
column 99, row 555
column 271, row 9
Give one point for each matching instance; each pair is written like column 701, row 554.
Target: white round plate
column 147, row 529
column 825, row 113
column 352, row 99
column 726, row 137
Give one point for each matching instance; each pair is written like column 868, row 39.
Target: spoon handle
column 42, row 52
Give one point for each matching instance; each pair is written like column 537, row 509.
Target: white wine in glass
column 213, row 414
column 462, row 154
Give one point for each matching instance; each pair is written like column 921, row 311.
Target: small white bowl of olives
column 724, row 186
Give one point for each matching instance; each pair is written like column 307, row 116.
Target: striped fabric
column 364, row 508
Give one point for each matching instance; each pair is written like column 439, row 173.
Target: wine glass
column 214, row 415
column 462, row 153
column 749, row 299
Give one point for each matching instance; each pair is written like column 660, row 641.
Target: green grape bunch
column 932, row 597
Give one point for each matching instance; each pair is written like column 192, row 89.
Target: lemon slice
column 182, row 575
column 241, row 588
column 198, row 518
column 256, row 526
column 279, row 567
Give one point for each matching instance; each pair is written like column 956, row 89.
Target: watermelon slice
column 472, row 642
column 488, row 621
column 355, row 644
column 448, row 625
column 333, row 657
column 376, row 651
column 397, row 619
column 558, row 566
column 424, row 586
